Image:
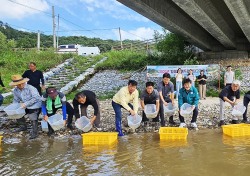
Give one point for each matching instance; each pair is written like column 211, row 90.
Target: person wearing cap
column 52, row 100
column 188, row 94
column 166, row 92
column 123, row 99
column 30, row 100
column 230, row 94
column 84, row 99
column 150, row 96
column 35, row 76
column 229, row 76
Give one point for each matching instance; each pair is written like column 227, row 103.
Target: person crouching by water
column 123, row 99
column 52, row 100
column 84, row 99
column 150, row 96
column 30, row 100
column 188, row 94
column 230, row 94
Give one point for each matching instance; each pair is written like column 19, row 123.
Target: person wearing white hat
column 30, row 100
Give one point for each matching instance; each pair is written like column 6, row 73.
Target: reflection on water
column 206, row 152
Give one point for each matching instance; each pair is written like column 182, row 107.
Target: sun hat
column 18, row 79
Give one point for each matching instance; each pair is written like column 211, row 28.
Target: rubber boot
column 51, row 131
column 119, row 128
column 21, row 122
column 34, row 132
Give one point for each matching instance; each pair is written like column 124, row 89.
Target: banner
column 158, row 70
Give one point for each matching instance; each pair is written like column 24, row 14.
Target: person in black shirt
column 246, row 102
column 230, row 94
column 1, row 97
column 35, row 77
column 202, row 84
column 84, row 99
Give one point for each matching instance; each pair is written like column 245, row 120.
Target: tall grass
column 17, row 62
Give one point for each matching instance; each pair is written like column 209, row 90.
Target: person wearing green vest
column 52, row 100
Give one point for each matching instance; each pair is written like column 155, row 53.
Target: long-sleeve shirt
column 123, row 97
column 191, row 96
column 90, row 100
column 1, row 82
column 29, row 96
column 35, row 77
column 63, row 101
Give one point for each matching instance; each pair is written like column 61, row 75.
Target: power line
column 83, row 30
column 49, row 14
column 134, row 34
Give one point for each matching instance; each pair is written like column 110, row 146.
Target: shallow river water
column 206, row 153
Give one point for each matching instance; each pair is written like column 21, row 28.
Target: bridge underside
column 221, row 26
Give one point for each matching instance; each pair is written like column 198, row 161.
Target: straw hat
column 18, row 79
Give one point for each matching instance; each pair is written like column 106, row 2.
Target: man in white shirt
column 229, row 76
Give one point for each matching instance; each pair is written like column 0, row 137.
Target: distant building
column 79, row 49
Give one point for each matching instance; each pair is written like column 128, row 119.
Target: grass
column 17, row 62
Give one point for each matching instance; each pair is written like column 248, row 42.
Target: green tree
column 173, row 49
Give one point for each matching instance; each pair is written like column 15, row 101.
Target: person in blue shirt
column 52, row 100
column 188, row 94
column 30, row 100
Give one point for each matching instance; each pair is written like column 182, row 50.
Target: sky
column 91, row 18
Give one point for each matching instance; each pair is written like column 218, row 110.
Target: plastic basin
column 83, row 123
column 169, row 109
column 134, row 121
column 14, row 111
column 56, row 122
column 186, row 110
column 150, row 111
column 238, row 110
column 44, row 125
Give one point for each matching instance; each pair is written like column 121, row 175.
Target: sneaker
column 222, row 122
column 194, row 125
column 98, row 128
column 235, row 122
column 182, row 125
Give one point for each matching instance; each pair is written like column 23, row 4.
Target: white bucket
column 150, row 111
column 238, row 110
column 44, row 125
column 56, row 122
column 83, row 123
column 14, row 111
column 186, row 110
column 134, row 121
column 169, row 109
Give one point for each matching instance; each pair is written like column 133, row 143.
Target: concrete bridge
column 221, row 28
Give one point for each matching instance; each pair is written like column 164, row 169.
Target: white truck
column 79, row 49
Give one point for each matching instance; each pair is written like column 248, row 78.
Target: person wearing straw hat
column 30, row 100
column 52, row 100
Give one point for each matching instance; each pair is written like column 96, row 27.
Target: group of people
column 202, row 79
column 28, row 93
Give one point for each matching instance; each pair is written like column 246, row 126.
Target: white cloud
column 14, row 10
column 141, row 33
column 112, row 8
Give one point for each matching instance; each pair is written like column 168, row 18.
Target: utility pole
column 57, row 33
column 38, row 40
column 120, row 38
column 54, row 28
